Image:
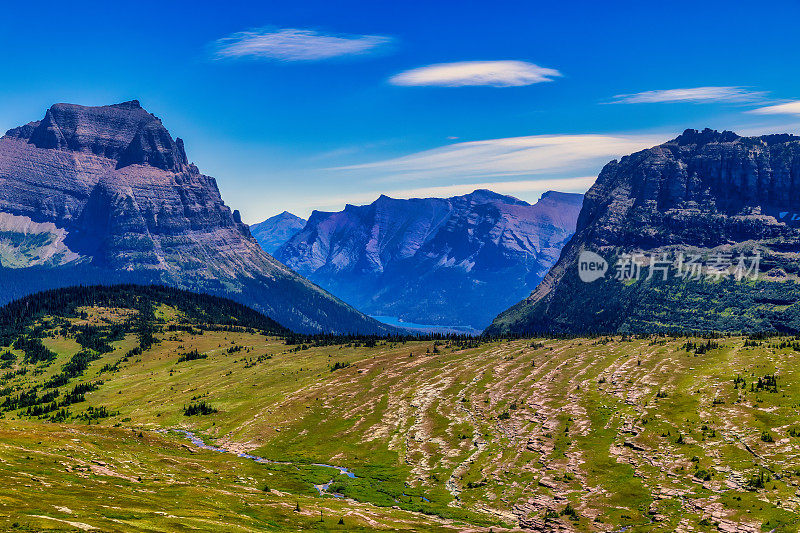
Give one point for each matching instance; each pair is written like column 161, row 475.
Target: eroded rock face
column 121, row 189
column 124, row 132
column 448, row 261
column 704, row 191
column 659, row 196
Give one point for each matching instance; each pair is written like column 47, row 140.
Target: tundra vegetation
column 652, row 433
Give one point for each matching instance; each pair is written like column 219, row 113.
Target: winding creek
column 322, row 488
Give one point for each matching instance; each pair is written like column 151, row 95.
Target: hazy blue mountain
column 276, row 230
column 712, row 198
column 105, row 194
column 448, row 261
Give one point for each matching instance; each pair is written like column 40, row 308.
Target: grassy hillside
column 651, row 434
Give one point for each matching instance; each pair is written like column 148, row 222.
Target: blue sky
column 309, row 105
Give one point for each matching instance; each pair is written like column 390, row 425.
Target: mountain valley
column 412, row 259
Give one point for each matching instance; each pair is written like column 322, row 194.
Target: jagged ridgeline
column 706, row 203
column 449, row 261
column 106, row 195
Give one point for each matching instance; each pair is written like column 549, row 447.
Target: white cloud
column 491, row 73
column 514, row 156
column 788, row 108
column 294, row 45
column 695, row 95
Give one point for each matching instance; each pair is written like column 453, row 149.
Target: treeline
column 208, row 313
column 370, row 341
column 307, row 341
column 75, row 367
column 36, row 404
column 609, row 334
column 35, row 351
column 98, row 338
column 64, row 302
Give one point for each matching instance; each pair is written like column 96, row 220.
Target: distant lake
column 426, row 328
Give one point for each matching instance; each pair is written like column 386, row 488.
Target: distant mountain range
column 275, row 231
column 105, row 194
column 444, row 261
column 712, row 208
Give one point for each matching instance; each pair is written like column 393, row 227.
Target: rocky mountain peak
column 704, row 191
column 413, row 258
column 486, row 196
column 707, row 136
column 557, row 196
column 124, row 132
column 130, row 104
column 276, row 230
column 106, row 195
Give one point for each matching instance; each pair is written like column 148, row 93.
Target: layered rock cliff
column 112, row 197
column 446, row 261
column 705, row 193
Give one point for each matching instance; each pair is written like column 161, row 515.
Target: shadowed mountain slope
column 447, row 261
column 716, row 198
column 105, row 195
column 276, row 230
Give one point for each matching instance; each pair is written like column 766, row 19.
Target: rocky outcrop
column 123, row 132
column 120, row 202
column 276, row 230
column 655, row 197
column 704, row 192
column 447, row 261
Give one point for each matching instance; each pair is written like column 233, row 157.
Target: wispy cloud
column 489, row 73
column 787, row 108
column 514, row 156
column 696, row 95
column 291, row 44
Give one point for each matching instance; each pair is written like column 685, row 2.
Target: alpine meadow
column 462, row 267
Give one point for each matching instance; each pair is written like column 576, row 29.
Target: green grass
column 585, row 424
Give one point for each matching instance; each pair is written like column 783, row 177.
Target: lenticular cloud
column 488, row 73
